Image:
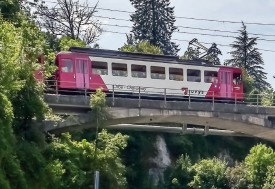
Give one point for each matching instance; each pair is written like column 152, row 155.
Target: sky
column 252, row 11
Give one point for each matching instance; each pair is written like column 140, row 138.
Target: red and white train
column 89, row 69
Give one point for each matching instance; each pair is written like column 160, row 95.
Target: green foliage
column 209, row 173
column 268, row 98
column 72, row 163
column 140, row 147
column 247, row 82
column 33, row 163
column 11, row 175
column 66, row 42
column 21, row 100
column 154, row 22
column 98, row 103
column 9, row 9
column 10, row 44
column 182, row 173
column 141, row 47
column 257, row 164
column 245, row 55
column 237, row 177
column 191, row 54
column 270, row 179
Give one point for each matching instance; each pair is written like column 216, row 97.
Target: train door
column 226, row 83
column 82, row 73
column 65, row 75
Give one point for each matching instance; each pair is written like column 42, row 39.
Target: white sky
column 259, row 11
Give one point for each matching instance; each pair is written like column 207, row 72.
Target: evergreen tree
column 154, row 22
column 245, row 55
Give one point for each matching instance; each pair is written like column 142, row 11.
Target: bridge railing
column 165, row 94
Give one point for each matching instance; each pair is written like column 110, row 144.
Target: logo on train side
column 186, row 91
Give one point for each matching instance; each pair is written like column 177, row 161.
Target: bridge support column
column 189, row 100
column 206, row 130
column 139, row 97
column 235, row 106
column 183, row 129
column 113, row 95
column 165, row 98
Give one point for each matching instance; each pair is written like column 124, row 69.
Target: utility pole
column 97, row 103
column 96, row 179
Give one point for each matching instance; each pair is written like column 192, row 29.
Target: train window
column 210, row 76
column 138, row 71
column 193, row 75
column 237, row 78
column 157, row 72
column 119, row 69
column 176, row 74
column 67, row 65
column 99, row 68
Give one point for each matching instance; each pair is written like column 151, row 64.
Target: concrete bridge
column 150, row 115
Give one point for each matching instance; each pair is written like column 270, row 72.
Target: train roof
column 139, row 56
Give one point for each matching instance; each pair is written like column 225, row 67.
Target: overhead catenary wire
column 184, row 40
column 184, row 17
column 195, row 33
column 198, row 28
column 186, row 27
column 185, row 32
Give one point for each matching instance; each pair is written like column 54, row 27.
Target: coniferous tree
column 199, row 52
column 245, row 55
column 154, row 22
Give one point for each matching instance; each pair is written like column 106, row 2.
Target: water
column 160, row 162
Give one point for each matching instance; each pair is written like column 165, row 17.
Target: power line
column 185, row 40
column 198, row 28
column 192, row 18
column 216, row 35
column 196, row 33
column 222, row 31
column 184, row 17
column 110, row 18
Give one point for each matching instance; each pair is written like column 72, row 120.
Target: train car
column 132, row 73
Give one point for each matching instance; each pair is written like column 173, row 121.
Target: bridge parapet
column 79, row 102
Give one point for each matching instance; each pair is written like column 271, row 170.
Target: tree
column 191, row 54
column 237, row 177
column 20, row 47
column 154, row 22
column 9, row 9
column 182, row 173
column 213, row 55
column 210, row 173
column 245, row 55
column 210, row 55
column 71, row 163
column 270, row 179
column 257, row 163
column 141, row 47
column 70, row 18
column 267, row 98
